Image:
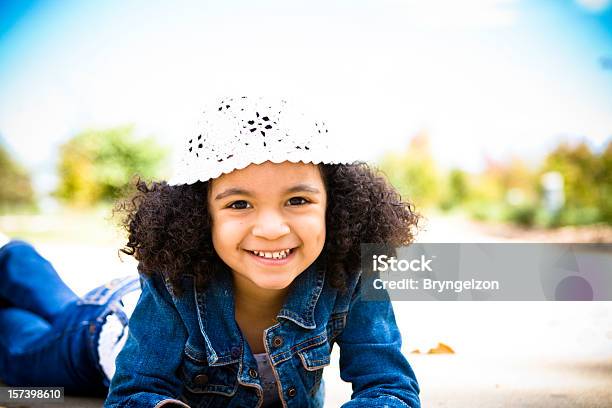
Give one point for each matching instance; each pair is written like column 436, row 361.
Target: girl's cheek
column 228, row 225
column 312, row 224
column 227, row 234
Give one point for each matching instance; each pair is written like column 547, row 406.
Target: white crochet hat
column 237, row 132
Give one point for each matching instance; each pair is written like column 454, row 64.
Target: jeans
column 49, row 335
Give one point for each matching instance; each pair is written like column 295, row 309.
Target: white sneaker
column 3, row 239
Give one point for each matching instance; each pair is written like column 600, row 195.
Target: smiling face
column 268, row 221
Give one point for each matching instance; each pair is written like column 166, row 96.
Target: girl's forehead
column 268, row 172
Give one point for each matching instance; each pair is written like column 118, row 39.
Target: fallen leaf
column 441, row 348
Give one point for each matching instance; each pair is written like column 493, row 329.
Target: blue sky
column 483, row 78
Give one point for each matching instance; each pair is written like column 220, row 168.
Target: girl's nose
column 270, row 225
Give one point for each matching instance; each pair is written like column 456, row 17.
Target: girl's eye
column 239, row 205
column 297, row 201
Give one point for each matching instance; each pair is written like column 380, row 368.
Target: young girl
column 250, row 271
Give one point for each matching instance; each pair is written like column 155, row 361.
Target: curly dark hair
column 169, row 227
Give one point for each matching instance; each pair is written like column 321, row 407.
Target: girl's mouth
column 278, row 257
column 273, row 255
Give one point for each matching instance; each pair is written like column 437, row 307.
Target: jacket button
column 235, row 352
column 252, row 373
column 200, row 379
column 277, row 341
column 291, row 392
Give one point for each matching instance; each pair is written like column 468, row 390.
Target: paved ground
column 461, row 381
column 457, row 381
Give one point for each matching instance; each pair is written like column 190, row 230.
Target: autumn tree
column 95, row 165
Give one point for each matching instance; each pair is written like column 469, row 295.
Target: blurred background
column 493, row 116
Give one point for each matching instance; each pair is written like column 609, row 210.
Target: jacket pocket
column 199, row 378
column 316, row 357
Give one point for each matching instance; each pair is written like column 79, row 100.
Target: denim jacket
column 187, row 350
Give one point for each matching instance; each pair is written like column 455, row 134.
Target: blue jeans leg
column 20, row 328
column 47, row 336
column 35, row 353
column 28, row 281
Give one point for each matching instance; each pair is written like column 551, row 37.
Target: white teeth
column 273, row 255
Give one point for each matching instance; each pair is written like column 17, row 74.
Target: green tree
column 579, row 167
column 96, row 165
column 414, row 172
column 457, row 189
column 587, row 179
column 15, row 184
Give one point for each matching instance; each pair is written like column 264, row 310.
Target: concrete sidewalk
column 462, row 382
column 456, row 381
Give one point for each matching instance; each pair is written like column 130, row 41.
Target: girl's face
column 268, row 221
